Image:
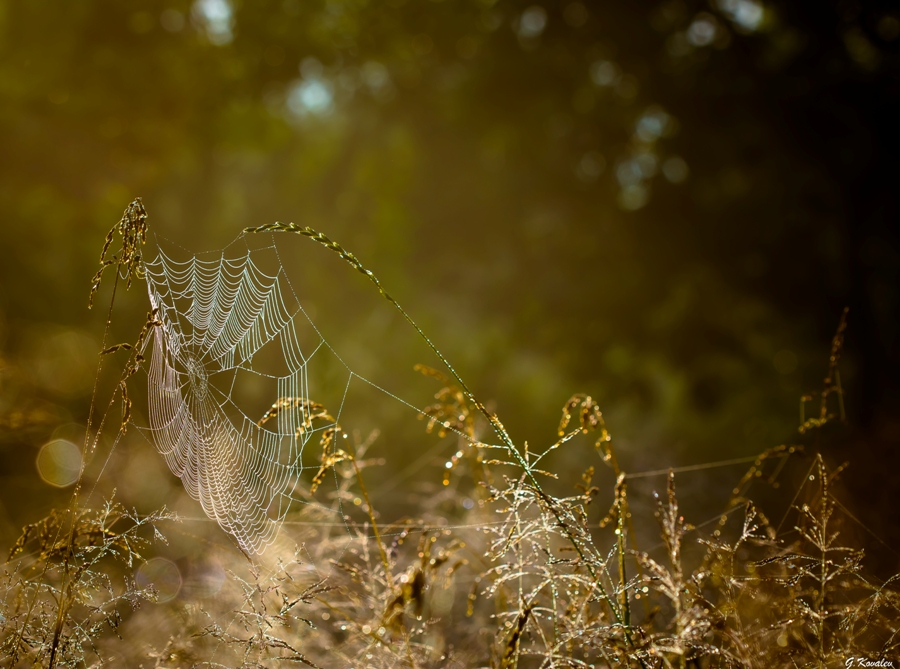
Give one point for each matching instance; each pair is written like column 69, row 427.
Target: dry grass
column 497, row 567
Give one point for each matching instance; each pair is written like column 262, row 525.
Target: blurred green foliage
column 664, row 204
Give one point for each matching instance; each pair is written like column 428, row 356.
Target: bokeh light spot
column 633, row 197
column 532, row 22
column 311, row 68
column 310, row 97
column 629, row 173
column 652, row 124
column 785, row 362
column 702, row 31
column 747, row 14
column 674, row 169
column 604, row 73
column 646, row 163
column 59, row 463
column 162, row 575
column 376, row 77
column 216, row 17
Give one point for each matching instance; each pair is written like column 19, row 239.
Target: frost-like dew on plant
column 215, row 317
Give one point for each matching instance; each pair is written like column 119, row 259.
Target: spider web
column 220, row 321
column 226, row 325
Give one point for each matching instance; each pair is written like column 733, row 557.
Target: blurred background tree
column 664, row 204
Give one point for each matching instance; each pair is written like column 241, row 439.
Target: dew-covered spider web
column 228, row 328
column 233, row 400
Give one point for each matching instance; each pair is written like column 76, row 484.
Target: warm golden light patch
column 59, row 463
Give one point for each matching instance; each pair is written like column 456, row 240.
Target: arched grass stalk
column 494, row 421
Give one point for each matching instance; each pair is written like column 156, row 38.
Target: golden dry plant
column 502, row 560
column 132, row 228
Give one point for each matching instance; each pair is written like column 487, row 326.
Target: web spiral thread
column 216, row 315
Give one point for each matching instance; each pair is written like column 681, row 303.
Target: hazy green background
column 663, row 204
